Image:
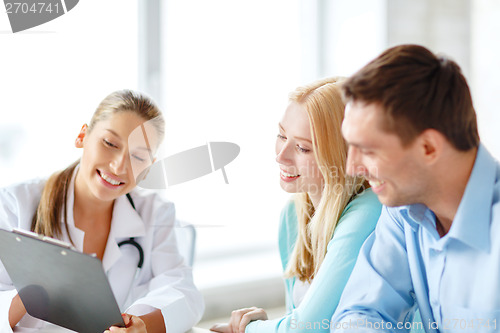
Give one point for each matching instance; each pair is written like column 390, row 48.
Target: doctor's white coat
column 165, row 281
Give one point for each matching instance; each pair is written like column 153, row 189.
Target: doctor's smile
column 109, row 180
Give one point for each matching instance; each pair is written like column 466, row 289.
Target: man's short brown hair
column 417, row 91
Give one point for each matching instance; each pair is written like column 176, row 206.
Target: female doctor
column 94, row 205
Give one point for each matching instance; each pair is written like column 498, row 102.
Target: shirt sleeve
column 171, row 288
column 379, row 294
column 315, row 311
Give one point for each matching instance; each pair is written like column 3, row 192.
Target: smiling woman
column 330, row 216
column 94, row 205
column 108, row 141
column 299, row 171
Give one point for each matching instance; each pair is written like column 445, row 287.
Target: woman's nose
column 283, row 153
column 118, row 164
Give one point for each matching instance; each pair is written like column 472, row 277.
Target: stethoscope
column 131, row 241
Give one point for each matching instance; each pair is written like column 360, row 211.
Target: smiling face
column 397, row 174
column 299, row 171
column 110, row 160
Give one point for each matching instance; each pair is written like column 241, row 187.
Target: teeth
column 109, row 180
column 288, row 175
column 376, row 183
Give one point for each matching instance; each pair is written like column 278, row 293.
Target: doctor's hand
column 133, row 324
column 240, row 319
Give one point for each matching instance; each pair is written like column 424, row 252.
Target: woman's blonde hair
column 52, row 207
column 323, row 103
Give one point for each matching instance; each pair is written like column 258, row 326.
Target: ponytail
column 52, row 206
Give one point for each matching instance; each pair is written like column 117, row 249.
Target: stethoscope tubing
column 132, row 241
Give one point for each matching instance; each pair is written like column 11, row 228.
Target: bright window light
column 53, row 77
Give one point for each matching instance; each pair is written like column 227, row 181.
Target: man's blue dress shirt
column 454, row 280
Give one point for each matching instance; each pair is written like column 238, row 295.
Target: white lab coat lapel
column 125, row 223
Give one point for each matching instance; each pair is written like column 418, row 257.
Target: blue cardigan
column 356, row 223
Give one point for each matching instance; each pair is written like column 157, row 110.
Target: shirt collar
column 419, row 214
column 471, row 224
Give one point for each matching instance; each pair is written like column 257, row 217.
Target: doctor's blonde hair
column 52, row 207
column 323, row 103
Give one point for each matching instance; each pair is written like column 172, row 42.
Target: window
column 227, row 69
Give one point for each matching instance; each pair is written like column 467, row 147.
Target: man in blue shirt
column 412, row 132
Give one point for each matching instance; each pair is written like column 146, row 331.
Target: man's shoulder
column 488, row 176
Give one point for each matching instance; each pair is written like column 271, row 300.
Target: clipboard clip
column 44, row 238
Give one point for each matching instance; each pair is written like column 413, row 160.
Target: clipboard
column 59, row 284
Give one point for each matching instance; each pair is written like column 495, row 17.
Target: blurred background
column 221, row 70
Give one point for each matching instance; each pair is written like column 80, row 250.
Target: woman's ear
column 81, row 136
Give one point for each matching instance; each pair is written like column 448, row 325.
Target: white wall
column 52, row 78
column 443, row 26
column 485, row 70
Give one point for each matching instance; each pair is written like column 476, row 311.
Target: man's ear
column 432, row 143
column 81, row 136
